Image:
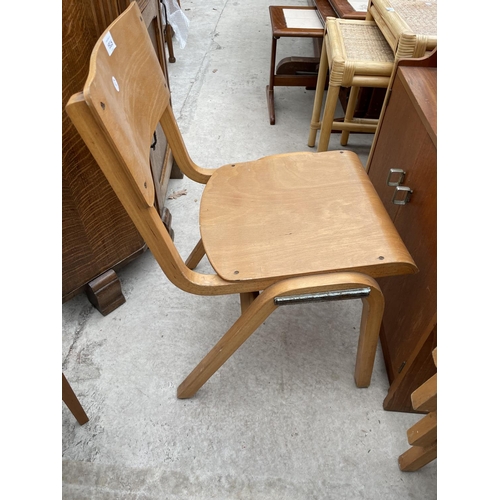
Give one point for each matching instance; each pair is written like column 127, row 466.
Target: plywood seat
column 280, row 230
column 298, row 214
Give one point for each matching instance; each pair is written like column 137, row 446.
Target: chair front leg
column 318, row 97
column 325, row 133
column 371, row 321
column 252, row 317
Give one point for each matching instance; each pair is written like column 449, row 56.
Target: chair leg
column 349, row 113
column 318, row 97
column 196, row 255
column 71, row 401
column 244, row 326
column 332, row 98
column 371, row 321
column 270, row 87
column 264, row 304
column 246, row 299
column 170, row 46
column 416, row 457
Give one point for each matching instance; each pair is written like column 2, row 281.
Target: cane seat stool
column 363, row 54
column 355, row 54
column 280, row 230
column 409, row 26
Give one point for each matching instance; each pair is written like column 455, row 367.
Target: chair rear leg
column 246, row 299
column 196, row 255
column 349, row 113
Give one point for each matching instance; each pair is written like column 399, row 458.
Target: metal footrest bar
column 357, row 293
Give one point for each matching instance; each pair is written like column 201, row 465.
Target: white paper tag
column 115, row 83
column 109, row 43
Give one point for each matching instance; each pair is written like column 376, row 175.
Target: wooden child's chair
column 279, row 230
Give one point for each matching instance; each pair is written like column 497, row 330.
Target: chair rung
column 354, row 126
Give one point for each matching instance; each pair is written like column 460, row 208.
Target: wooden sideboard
column 97, row 235
column 406, row 141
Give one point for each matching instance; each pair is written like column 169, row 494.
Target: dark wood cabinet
column 406, row 142
column 97, row 234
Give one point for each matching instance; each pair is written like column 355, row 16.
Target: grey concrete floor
column 282, row 419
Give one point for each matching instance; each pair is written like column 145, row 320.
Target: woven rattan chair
column 362, row 54
column 277, row 231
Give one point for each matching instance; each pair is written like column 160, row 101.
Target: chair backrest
column 127, row 93
column 124, row 98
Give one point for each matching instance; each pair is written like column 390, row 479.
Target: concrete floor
column 282, row 419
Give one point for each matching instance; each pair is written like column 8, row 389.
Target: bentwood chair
column 363, row 54
column 277, row 231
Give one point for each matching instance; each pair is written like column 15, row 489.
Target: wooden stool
column 291, row 71
column 357, row 55
column 363, row 54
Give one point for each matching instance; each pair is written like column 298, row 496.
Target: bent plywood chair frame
column 123, row 100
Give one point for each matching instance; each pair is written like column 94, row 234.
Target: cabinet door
column 410, row 314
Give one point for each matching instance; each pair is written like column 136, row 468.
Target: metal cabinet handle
column 402, row 195
column 399, row 179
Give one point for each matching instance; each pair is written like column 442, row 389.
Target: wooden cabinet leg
column 105, row 292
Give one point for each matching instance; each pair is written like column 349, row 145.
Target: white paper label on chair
column 115, row 83
column 109, row 43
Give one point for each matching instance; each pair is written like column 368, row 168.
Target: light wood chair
column 363, row 54
column 279, row 230
column 423, row 435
